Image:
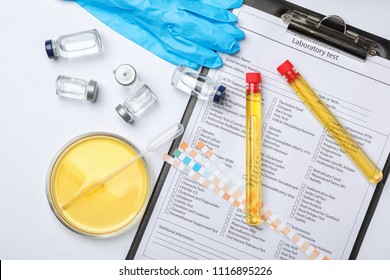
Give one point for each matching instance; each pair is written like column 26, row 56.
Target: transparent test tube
column 74, row 45
column 76, row 88
column 329, row 121
column 253, row 148
column 197, row 84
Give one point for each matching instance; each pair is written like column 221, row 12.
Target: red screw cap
column 253, row 77
column 286, row 69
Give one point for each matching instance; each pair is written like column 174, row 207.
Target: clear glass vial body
column 197, row 84
column 74, row 45
column 137, row 104
column 76, row 88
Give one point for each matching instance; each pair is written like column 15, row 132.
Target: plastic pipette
column 154, row 145
column 329, row 121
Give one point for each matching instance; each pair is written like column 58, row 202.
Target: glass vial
column 74, row 45
column 126, row 75
column 76, row 88
column 135, row 105
column 197, row 84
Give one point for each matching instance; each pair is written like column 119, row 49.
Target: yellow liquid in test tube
column 253, row 149
column 329, row 121
column 112, row 207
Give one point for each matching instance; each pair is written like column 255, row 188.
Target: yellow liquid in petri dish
column 116, row 204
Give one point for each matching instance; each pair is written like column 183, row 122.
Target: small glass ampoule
column 76, row 88
column 135, row 105
column 74, row 45
column 197, row 84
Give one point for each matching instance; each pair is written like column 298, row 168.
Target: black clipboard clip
column 332, row 31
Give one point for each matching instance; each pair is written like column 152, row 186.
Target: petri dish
column 117, row 204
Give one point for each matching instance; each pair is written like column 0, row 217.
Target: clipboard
column 329, row 30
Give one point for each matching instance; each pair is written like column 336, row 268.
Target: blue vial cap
column 49, row 49
column 219, row 94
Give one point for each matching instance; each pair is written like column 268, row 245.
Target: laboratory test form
column 307, row 179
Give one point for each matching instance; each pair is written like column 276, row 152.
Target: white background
column 35, row 123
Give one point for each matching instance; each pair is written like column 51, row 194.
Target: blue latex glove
column 184, row 32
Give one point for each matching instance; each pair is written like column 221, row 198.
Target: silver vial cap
column 125, row 74
column 92, row 90
column 129, row 118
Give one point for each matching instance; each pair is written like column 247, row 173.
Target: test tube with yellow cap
column 253, row 148
column 329, row 121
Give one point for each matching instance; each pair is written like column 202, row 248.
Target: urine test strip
column 209, row 165
column 233, row 181
column 209, row 171
column 214, row 183
column 237, row 195
column 227, row 189
column 210, row 155
column 267, row 215
column 193, row 169
column 225, row 176
column 204, row 150
column 204, row 167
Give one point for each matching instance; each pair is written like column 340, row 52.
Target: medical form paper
column 308, row 181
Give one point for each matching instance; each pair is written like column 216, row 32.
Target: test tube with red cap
column 253, row 148
column 339, row 133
